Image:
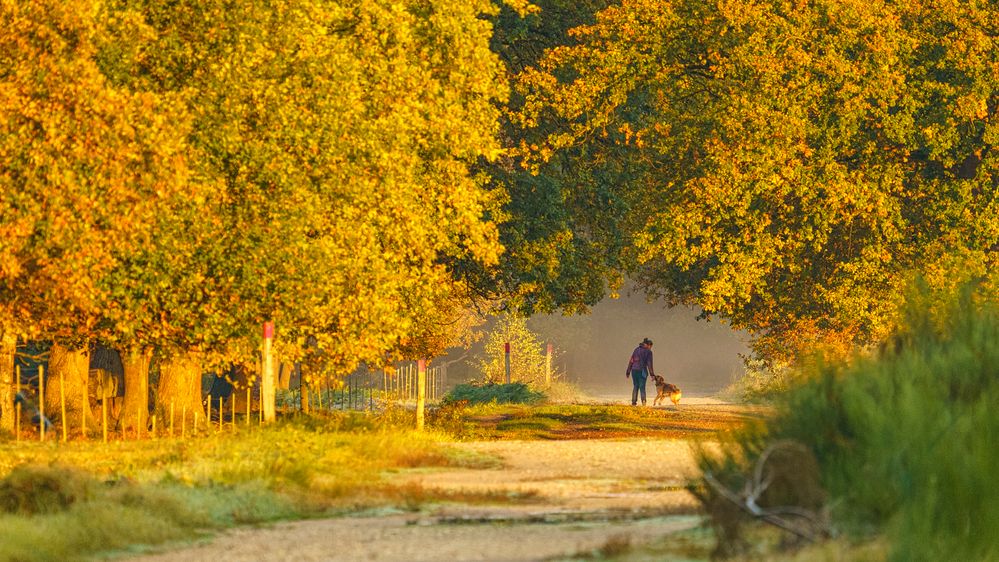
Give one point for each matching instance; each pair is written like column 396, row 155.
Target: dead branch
column 814, row 526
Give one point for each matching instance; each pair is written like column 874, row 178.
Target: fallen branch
column 754, row 489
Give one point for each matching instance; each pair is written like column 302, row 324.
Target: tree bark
column 8, row 347
column 304, row 387
column 241, row 380
column 74, row 367
column 180, row 385
column 136, row 407
column 285, row 374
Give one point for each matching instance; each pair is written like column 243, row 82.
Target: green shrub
column 905, row 440
column 513, row 393
column 33, row 489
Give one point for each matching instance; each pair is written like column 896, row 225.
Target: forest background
column 372, row 176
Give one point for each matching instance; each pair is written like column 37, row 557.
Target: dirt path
column 580, row 494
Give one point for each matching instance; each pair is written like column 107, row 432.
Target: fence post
column 267, row 396
column 104, row 417
column 62, row 406
column 41, row 403
column 421, row 392
column 86, row 405
column 17, row 403
column 506, row 360
column 548, row 366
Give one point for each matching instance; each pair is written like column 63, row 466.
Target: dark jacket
column 641, row 360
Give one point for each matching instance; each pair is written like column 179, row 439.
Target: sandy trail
column 582, row 494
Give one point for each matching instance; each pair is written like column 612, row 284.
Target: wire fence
column 226, row 400
column 366, row 390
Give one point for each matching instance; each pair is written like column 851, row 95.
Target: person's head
column 647, row 342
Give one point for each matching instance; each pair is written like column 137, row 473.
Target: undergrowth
column 513, row 393
column 493, row 421
column 70, row 501
column 905, row 441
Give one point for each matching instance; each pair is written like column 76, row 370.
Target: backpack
column 635, row 361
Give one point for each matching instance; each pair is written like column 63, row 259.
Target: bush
column 905, row 440
column 513, row 393
column 759, row 383
column 34, row 489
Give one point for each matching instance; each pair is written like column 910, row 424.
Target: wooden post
column 303, row 390
column 548, row 366
column 421, row 392
column 86, row 405
column 41, row 403
column 104, row 418
column 17, row 404
column 62, row 406
column 183, row 421
column 171, row 418
column 221, row 414
column 249, row 387
column 232, row 409
column 506, row 360
column 267, row 380
column 153, row 429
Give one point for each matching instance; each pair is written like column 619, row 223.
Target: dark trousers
column 638, row 379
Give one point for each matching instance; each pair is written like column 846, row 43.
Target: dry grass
column 523, row 422
column 69, row 501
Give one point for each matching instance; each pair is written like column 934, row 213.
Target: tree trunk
column 285, row 373
column 8, row 347
column 179, row 385
column 241, row 381
column 135, row 410
column 73, row 367
column 304, row 387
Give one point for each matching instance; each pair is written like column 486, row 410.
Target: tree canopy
column 175, row 173
column 359, row 171
column 788, row 166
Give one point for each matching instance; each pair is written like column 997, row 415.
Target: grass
column 76, row 500
column 70, row 501
column 563, row 421
column 905, row 441
column 513, row 393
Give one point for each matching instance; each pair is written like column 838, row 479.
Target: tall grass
column 69, row 501
column 907, row 441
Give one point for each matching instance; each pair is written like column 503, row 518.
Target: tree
column 788, row 167
column 527, row 352
column 337, row 141
column 561, row 250
column 83, row 167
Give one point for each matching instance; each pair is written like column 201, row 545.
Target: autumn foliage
column 173, row 173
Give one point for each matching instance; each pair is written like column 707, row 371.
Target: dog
column 665, row 389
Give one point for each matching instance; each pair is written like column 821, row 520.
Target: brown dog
column 665, row 389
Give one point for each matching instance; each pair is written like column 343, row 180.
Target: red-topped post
column 506, row 360
column 421, row 392
column 548, row 366
column 267, row 394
